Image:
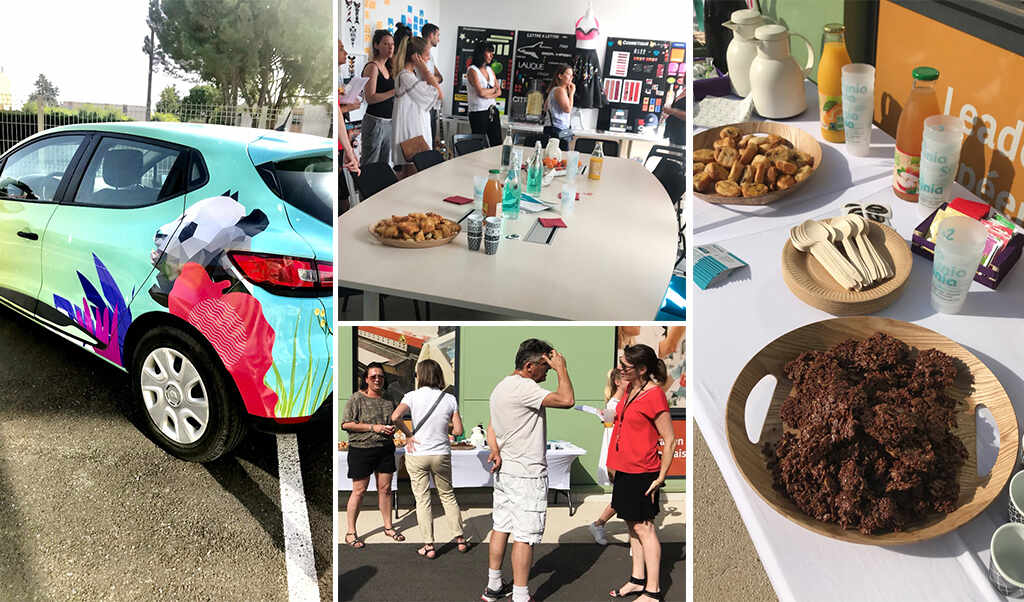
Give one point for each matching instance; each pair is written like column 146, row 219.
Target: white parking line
column 298, row 541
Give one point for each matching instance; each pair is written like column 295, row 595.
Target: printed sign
column 645, row 66
column 536, row 58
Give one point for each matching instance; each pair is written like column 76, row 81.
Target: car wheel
column 183, row 396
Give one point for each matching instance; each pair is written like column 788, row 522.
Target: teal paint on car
column 155, row 244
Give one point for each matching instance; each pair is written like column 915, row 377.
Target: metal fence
column 21, row 119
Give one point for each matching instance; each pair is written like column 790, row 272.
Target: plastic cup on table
column 940, row 156
column 572, row 166
column 568, row 199
column 1006, row 560
column 858, row 81
column 958, row 248
column 479, row 183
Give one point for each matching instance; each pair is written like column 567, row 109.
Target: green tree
column 169, row 100
column 266, row 51
column 45, row 91
column 199, row 104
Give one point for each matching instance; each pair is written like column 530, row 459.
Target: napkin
column 715, row 111
column 458, row 200
column 552, row 222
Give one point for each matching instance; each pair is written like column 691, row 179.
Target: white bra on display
column 587, row 30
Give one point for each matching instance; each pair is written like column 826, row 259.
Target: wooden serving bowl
column 412, row 244
column 812, row 284
column 801, row 141
column 976, row 492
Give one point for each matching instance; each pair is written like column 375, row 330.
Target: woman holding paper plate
column 435, row 413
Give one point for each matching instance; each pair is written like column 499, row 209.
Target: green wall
column 487, row 354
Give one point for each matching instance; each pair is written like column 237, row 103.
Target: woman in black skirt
column 371, row 450
column 641, row 418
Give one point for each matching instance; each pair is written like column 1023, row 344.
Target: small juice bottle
column 492, row 194
column 922, row 104
column 830, row 82
column 596, row 161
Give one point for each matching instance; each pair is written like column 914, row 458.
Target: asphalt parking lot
column 90, row 508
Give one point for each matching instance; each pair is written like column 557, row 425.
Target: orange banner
column 978, row 82
column 678, row 466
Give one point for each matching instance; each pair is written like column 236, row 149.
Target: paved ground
column 725, row 564
column 90, row 508
column 568, row 565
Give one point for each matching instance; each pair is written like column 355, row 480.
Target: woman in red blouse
column 641, row 419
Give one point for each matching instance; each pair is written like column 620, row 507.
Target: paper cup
column 491, row 244
column 475, row 224
column 492, row 227
column 858, row 81
column 473, row 241
column 1016, row 504
column 958, row 249
column 940, row 158
column 1006, row 560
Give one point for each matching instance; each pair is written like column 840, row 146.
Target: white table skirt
column 470, row 468
column 740, row 317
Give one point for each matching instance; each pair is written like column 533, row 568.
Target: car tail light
column 284, row 274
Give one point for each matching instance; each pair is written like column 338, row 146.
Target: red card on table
column 978, row 211
column 458, row 200
column 552, row 222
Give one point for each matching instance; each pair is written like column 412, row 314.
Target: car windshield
column 306, row 184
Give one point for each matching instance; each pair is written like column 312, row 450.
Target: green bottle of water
column 512, row 192
column 535, row 172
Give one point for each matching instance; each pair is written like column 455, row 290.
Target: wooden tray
column 411, row 244
column 801, row 140
column 976, row 492
column 813, row 285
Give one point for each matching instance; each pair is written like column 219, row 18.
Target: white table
column 755, row 308
column 470, row 469
column 613, row 262
column 626, row 139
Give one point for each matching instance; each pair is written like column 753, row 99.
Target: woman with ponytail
column 641, row 418
column 415, row 92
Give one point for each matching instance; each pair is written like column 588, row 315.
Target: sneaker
column 598, row 533
column 491, row 595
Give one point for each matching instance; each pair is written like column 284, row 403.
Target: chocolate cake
column 868, row 441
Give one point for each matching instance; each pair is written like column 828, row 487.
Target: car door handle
column 28, row 235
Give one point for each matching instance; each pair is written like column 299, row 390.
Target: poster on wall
column 501, row 65
column 641, row 77
column 669, row 342
column 677, row 469
column 399, row 349
column 537, row 55
column 351, row 32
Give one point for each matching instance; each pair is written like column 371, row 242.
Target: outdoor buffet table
column 747, row 312
column 612, row 262
column 471, row 469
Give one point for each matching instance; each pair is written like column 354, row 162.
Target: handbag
column 429, row 412
column 414, row 146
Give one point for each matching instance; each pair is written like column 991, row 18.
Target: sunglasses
column 624, row 367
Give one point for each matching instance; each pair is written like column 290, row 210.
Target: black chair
column 468, row 143
column 672, row 176
column 373, row 178
column 529, row 140
column 427, row 158
column 667, row 152
column 586, row 146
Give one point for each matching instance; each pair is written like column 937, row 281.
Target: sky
column 91, row 51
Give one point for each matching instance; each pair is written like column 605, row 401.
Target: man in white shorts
column 517, row 436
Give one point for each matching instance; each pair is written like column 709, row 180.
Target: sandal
column 462, row 543
column 659, row 596
column 355, row 542
column 427, row 551
column 395, row 535
column 619, row 594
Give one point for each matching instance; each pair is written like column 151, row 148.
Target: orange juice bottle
column 922, row 104
column 830, row 82
column 492, row 194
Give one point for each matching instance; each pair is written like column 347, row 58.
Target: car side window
column 131, row 173
column 34, row 172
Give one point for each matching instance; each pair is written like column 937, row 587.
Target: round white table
column 612, row 263
column 739, row 317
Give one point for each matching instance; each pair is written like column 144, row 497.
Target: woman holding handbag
column 416, row 92
column 428, row 451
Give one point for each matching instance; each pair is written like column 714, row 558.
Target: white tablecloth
column 735, row 320
column 470, row 468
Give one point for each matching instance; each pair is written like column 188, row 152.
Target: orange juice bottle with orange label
column 922, row 104
column 492, row 194
column 830, row 82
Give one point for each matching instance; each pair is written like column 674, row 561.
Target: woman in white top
column 416, row 91
column 482, row 89
column 558, row 106
column 429, row 453
column 614, row 391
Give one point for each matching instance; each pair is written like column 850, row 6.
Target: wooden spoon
column 863, row 227
column 845, row 233
column 818, row 234
column 802, row 243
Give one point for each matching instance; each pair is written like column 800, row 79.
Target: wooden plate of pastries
column 415, row 230
column 752, row 163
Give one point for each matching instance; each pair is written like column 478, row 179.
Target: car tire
column 184, row 397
